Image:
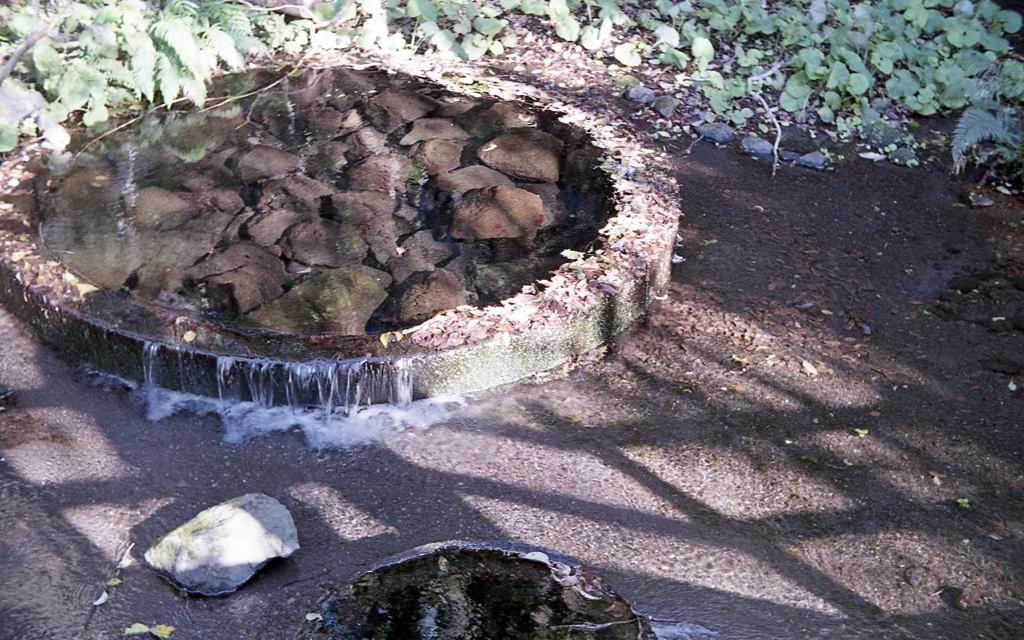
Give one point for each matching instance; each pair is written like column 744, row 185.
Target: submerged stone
column 223, row 546
column 159, row 209
column 497, row 118
column 438, row 156
column 386, row 173
column 472, row 177
column 335, row 301
column 364, row 143
column 498, row 212
column 437, row 292
column 434, row 128
column 391, row 109
column 263, row 163
column 524, row 153
column 324, row 242
column 555, row 212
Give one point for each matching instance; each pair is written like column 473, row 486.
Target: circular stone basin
column 336, row 228
column 476, row 591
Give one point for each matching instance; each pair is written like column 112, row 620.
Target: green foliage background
column 839, row 61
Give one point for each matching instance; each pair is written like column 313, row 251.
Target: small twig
column 302, row 12
column 751, row 81
column 223, row 101
column 591, row 625
column 690, row 150
column 243, row 96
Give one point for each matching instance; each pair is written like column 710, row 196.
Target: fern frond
column 194, row 89
column 186, row 8
column 223, row 46
column 142, row 62
column 116, row 72
column 176, row 35
column 978, row 125
column 167, row 77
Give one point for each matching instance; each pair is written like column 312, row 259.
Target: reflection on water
column 329, row 202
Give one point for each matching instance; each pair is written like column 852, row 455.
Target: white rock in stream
column 223, row 546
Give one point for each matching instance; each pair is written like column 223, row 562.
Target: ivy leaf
column 8, row 137
column 423, row 9
column 702, row 51
column 96, row 114
column 674, row 57
column 568, row 29
column 667, row 36
column 535, row 7
column 488, row 26
column 1011, row 21
column 627, row 54
column 593, row 38
column 475, row 46
column 443, row 40
column 46, row 59
column 818, row 11
column 857, row 84
column 558, row 10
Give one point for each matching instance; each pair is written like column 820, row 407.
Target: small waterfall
column 289, row 112
column 127, row 171
column 150, row 351
column 129, row 186
column 328, row 385
column 229, row 392
column 333, row 402
column 260, row 376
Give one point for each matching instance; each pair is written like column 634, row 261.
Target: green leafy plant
column 109, row 56
column 839, row 62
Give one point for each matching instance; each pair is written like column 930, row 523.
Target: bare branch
column 759, row 78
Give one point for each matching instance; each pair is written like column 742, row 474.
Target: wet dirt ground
column 817, row 435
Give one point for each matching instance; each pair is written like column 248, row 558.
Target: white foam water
column 334, row 403
column 321, row 426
